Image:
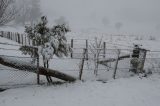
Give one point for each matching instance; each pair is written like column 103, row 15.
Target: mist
column 135, row 16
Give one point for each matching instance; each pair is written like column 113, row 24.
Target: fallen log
column 21, row 65
column 1, row 90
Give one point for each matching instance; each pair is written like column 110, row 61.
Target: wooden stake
column 104, row 49
column 22, row 38
column 72, row 47
column 116, row 64
column 38, row 75
column 86, row 49
column 82, row 64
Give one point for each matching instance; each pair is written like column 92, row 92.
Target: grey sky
column 136, row 15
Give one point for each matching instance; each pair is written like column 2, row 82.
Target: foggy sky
column 138, row 16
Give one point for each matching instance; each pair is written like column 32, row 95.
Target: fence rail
column 17, row 37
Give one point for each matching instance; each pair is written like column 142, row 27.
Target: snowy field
column 124, row 91
column 121, row 24
column 121, row 92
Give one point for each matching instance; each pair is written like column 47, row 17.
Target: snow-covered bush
column 59, row 41
column 50, row 41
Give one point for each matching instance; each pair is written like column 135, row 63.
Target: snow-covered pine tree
column 39, row 34
column 53, row 41
column 58, row 40
column 49, row 41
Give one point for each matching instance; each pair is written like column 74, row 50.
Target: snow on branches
column 50, row 41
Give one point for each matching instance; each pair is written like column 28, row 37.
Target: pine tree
column 49, row 41
column 58, row 36
column 41, row 35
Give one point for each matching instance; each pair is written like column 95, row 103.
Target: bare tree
column 96, row 49
column 7, row 11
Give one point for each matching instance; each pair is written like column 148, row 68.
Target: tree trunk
column 21, row 65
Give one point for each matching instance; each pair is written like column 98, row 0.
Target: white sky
column 137, row 16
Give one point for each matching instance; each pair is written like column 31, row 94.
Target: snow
column 101, row 90
column 121, row 92
column 47, row 52
column 96, row 20
column 12, row 29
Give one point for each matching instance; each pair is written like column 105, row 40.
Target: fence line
column 107, row 51
column 24, row 40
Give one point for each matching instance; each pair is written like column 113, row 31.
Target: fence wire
column 16, row 75
column 13, row 76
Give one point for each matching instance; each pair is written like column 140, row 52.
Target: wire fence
column 10, row 76
column 13, row 73
column 17, row 37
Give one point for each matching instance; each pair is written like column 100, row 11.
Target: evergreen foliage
column 41, row 34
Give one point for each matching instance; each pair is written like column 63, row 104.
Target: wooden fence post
column 82, row 64
column 25, row 39
column 11, row 35
column 104, row 49
column 18, row 38
column 22, row 38
column 38, row 75
column 72, row 48
column 116, row 64
column 86, row 49
column 8, row 34
column 2, row 33
column 143, row 60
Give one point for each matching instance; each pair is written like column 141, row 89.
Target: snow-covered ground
column 124, row 91
column 121, row 92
